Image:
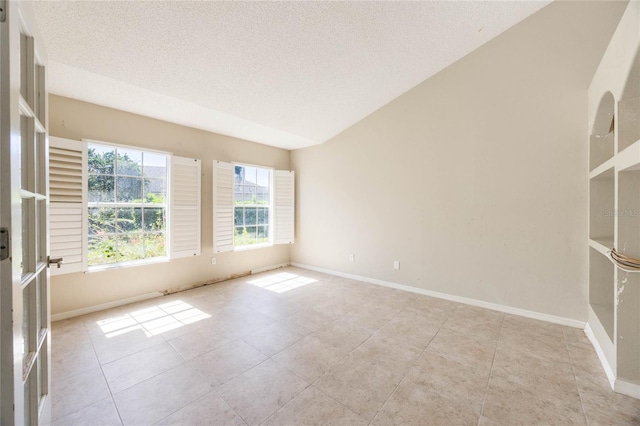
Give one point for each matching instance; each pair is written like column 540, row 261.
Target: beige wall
column 79, row 120
column 475, row 180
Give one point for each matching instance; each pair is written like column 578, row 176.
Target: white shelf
column 614, row 205
column 602, row 245
column 629, row 158
column 602, row 168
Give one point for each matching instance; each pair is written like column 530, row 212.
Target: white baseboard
column 269, row 268
column 467, row 301
column 626, row 388
column 103, row 306
column 601, row 356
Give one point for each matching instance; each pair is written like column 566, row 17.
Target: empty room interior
column 346, row 213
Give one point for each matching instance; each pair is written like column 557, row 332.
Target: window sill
column 253, row 247
column 100, row 268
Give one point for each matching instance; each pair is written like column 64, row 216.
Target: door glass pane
column 30, row 416
column 26, row 68
column 38, row 368
column 40, row 94
column 43, row 370
column 38, row 304
column 41, row 179
column 25, row 237
column 27, row 154
column 24, row 151
column 43, row 301
column 41, row 231
column 26, row 315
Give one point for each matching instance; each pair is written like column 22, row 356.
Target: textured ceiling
column 287, row 74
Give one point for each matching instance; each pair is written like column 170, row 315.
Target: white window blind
column 283, row 206
column 185, row 207
column 222, row 206
column 67, row 201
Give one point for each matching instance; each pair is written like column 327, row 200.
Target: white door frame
column 23, row 176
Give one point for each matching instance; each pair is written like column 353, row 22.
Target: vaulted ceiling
column 287, row 74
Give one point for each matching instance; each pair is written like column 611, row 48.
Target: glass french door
column 24, row 299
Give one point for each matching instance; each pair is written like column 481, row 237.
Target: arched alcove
column 601, row 143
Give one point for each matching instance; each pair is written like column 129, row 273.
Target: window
column 252, row 205
column 116, row 205
column 127, row 202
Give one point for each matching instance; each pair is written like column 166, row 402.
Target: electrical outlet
column 213, row 260
column 396, row 264
column 352, row 257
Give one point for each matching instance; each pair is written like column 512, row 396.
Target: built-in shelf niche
column 602, row 138
column 629, row 122
column 614, row 205
column 628, row 325
column 602, row 208
column 601, row 290
column 629, row 212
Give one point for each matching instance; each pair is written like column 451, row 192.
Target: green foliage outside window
column 252, row 205
column 127, row 215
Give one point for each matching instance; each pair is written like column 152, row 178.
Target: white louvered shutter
column 283, row 206
column 222, row 206
column 67, row 203
column 185, row 207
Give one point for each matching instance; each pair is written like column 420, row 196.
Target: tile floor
column 296, row 347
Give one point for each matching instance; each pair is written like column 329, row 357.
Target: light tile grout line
column 353, row 350
column 397, row 313
column 184, row 363
column 104, row 377
column 77, row 409
column 215, row 389
column 310, row 383
column 412, row 365
column 277, row 363
column 495, row 353
column 332, row 365
column 575, row 379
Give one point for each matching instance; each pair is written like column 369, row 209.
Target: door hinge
column 3, row 10
column 4, row 243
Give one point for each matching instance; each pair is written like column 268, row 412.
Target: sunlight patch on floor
column 154, row 320
column 281, row 282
